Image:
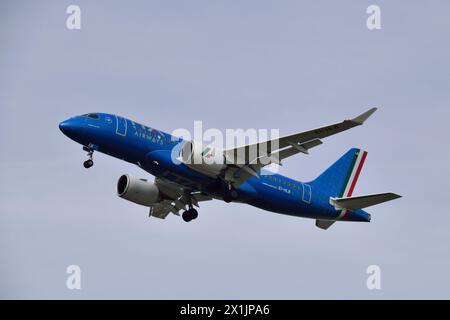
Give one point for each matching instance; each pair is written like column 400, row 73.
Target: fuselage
column 156, row 152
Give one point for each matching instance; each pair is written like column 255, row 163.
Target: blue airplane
column 180, row 184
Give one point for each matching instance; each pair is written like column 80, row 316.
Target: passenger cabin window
column 92, row 116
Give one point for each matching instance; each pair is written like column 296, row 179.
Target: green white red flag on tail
column 352, row 177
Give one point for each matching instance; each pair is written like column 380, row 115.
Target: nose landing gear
column 89, row 162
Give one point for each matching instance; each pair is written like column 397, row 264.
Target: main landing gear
column 230, row 194
column 190, row 214
column 89, row 162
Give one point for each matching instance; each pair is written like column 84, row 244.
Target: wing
column 249, row 159
column 174, row 199
column 297, row 142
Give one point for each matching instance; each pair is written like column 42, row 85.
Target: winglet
column 364, row 116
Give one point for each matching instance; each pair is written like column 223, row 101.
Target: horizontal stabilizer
column 354, row 203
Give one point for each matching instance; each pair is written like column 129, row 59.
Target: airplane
column 180, row 184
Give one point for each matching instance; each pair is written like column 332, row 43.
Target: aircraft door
column 121, row 126
column 306, row 194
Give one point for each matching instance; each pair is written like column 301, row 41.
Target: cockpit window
column 92, row 116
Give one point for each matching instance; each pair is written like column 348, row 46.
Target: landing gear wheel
column 88, row 163
column 186, row 216
column 189, row 215
column 193, row 213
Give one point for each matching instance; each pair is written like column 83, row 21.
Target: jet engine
column 139, row 191
column 207, row 160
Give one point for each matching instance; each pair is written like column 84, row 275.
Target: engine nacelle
column 207, row 160
column 139, row 191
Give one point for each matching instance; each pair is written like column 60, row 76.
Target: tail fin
column 340, row 179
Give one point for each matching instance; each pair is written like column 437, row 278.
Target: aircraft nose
column 66, row 127
column 71, row 127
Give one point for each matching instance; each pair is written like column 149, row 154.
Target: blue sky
column 288, row 65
